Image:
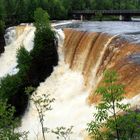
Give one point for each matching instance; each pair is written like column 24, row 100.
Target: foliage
column 63, row 132
column 12, row 90
column 42, row 104
column 12, row 86
column 2, row 10
column 99, row 16
column 41, row 18
column 2, row 26
column 9, row 86
column 23, row 60
column 33, row 66
column 44, row 55
column 107, row 123
column 11, row 13
column 2, row 16
column 8, row 123
column 31, row 6
column 21, row 15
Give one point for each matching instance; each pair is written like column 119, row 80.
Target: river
column 85, row 50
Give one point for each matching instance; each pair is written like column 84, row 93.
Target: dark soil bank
column 2, row 43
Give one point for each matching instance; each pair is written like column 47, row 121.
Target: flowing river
column 85, row 50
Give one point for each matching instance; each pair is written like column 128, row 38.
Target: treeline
column 13, row 12
column 104, row 4
column 17, row 11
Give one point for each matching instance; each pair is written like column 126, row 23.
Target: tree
column 8, row 123
column 108, row 124
column 41, row 18
column 2, row 10
column 44, row 54
column 21, row 15
column 24, row 61
column 67, row 6
column 42, row 104
column 10, row 6
column 9, row 86
column 31, row 7
column 78, row 5
column 63, row 132
column 2, row 27
column 57, row 10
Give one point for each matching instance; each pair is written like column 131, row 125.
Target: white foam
column 8, row 60
column 70, row 107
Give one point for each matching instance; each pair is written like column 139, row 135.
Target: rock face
column 2, row 43
column 92, row 53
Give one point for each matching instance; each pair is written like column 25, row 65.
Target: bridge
column 124, row 14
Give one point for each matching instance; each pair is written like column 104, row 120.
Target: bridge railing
column 105, row 11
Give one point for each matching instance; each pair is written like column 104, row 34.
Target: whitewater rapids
column 68, row 87
column 72, row 80
column 67, row 84
column 69, row 108
column 16, row 37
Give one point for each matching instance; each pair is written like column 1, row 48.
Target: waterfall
column 92, row 53
column 83, row 56
column 70, row 107
column 15, row 37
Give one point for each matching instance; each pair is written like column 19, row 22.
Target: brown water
column 93, row 52
column 87, row 51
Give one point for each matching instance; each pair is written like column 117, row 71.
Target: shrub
column 24, row 61
column 9, row 86
column 12, row 90
column 8, row 123
column 108, row 124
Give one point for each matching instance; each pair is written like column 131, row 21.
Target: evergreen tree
column 44, row 55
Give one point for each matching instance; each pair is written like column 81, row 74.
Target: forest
column 17, row 11
column 14, row 12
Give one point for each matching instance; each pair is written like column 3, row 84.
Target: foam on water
column 8, row 60
column 67, row 86
column 69, row 108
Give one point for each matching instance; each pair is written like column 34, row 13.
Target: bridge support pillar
column 120, row 17
column 81, row 17
column 125, row 17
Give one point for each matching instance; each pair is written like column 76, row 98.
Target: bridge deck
column 107, row 12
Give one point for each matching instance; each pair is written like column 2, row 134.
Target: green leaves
column 108, row 124
column 110, row 76
column 42, row 104
column 9, row 86
column 2, row 26
column 23, row 60
column 62, row 132
column 8, row 123
column 41, row 18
